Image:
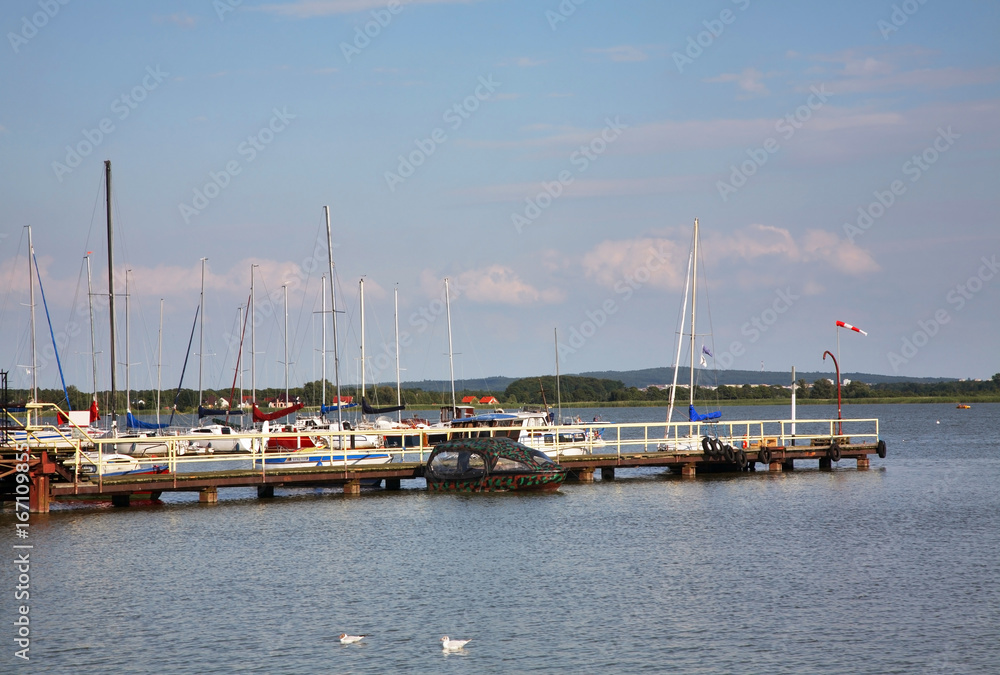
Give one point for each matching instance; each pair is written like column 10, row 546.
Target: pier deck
column 748, row 445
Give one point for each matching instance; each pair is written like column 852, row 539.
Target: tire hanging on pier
column 764, row 455
column 730, row 454
column 741, row 459
column 706, row 445
column 833, row 453
column 880, row 449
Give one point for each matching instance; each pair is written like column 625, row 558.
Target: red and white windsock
column 841, row 324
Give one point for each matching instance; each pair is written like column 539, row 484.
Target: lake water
column 891, row 570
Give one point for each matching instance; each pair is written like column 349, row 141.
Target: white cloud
column 749, row 81
column 494, row 284
column 182, row 20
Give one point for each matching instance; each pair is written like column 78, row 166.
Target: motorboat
column 218, row 438
column 533, row 429
column 112, row 464
column 497, row 464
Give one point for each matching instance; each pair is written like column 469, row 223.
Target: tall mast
column 159, row 363
column 128, row 387
column 333, row 301
column 555, row 332
column 93, row 340
column 31, row 304
column 451, row 358
column 694, row 298
column 395, row 319
column 284, row 290
column 201, row 334
column 361, row 286
column 253, row 344
column 322, row 351
column 111, row 291
column 680, row 343
column 239, row 360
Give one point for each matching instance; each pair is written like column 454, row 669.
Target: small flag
column 706, row 350
column 703, row 362
column 841, row 324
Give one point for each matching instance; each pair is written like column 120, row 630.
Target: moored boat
column 490, row 465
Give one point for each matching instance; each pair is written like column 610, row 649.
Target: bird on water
column 453, row 645
column 346, row 639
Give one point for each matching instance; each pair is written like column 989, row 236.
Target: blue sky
column 548, row 157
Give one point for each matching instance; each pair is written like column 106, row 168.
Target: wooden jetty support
column 685, row 449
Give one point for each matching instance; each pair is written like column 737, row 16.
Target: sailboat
column 112, row 463
column 694, row 441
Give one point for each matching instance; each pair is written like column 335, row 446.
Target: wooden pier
column 770, row 445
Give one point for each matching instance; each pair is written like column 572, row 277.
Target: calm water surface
column 891, row 570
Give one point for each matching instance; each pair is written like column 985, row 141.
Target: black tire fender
column 833, row 453
column 729, row 453
column 880, row 449
column 764, row 456
column 706, row 445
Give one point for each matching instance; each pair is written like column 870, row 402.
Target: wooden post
column 352, row 487
column 775, row 467
column 608, row 473
column 582, row 475
column 121, row 499
column 265, row 491
column 38, row 498
column 788, row 465
column 208, row 495
column 392, row 483
column 688, row 471
column 863, row 462
column 825, row 464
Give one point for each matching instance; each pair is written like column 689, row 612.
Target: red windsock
column 854, row 328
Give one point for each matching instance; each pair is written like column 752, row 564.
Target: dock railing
column 334, row 448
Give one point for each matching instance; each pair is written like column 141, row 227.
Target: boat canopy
column 334, row 408
column 259, row 416
column 694, row 416
column 213, row 412
column 368, row 410
column 132, row 423
column 486, row 418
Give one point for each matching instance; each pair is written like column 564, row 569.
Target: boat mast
column 93, row 340
column 31, row 304
column 333, row 301
column 361, row 286
column 240, row 362
column 111, row 291
column 159, row 363
column 395, row 319
column 284, row 291
column 322, row 351
column 694, row 299
column 680, row 343
column 201, row 334
column 451, row 358
column 555, row 332
column 128, row 387
column 253, row 344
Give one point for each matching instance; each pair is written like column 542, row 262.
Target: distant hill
column 648, row 376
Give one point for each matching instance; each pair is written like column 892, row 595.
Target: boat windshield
column 457, row 463
column 541, row 459
column 508, row 464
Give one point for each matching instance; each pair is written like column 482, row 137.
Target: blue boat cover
column 693, row 415
column 486, row 417
column 133, row 423
column 335, row 408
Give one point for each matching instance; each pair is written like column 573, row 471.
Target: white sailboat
column 694, row 440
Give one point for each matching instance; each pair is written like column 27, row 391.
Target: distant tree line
column 528, row 390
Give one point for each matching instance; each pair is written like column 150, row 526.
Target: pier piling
column 209, row 495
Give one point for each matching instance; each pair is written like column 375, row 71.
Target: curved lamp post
column 840, row 425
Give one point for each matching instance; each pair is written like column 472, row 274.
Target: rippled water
column 891, row 570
